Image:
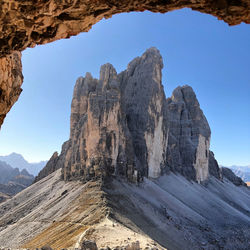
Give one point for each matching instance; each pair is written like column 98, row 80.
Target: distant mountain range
column 12, row 180
column 17, row 161
column 16, row 174
column 242, row 171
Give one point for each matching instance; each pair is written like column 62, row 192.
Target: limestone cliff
column 100, row 143
column 122, row 124
column 189, row 135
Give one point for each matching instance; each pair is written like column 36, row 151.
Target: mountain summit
column 122, row 124
column 136, row 173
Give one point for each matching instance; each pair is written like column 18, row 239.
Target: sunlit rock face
column 100, row 141
column 123, row 125
column 11, row 79
column 117, row 123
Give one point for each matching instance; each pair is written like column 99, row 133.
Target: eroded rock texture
column 122, row 124
column 11, row 79
column 189, row 135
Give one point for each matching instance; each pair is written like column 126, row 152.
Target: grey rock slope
column 123, row 125
column 169, row 212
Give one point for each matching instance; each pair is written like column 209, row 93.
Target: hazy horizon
column 197, row 50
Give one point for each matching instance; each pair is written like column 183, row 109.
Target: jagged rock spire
column 122, row 124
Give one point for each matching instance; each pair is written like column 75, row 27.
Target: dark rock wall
column 189, row 135
column 214, row 168
column 229, row 174
column 50, row 167
column 143, row 101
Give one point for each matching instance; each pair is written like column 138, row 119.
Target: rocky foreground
column 136, row 173
column 168, row 213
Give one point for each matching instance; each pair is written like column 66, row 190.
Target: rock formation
column 11, row 79
column 189, row 135
column 122, row 124
column 214, row 168
column 124, row 136
column 27, row 23
column 55, row 162
column 229, row 174
column 49, row 168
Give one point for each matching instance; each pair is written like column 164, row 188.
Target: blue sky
column 197, row 49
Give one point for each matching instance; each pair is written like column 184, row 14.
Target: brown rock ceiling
column 25, row 23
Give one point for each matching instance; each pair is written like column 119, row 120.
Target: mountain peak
column 16, row 155
column 123, row 125
column 16, row 160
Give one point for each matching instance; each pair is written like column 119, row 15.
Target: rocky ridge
column 230, row 175
column 123, row 125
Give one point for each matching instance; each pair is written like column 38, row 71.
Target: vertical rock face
column 189, row 135
column 122, row 124
column 143, row 100
column 99, row 138
column 214, row 168
column 11, row 79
